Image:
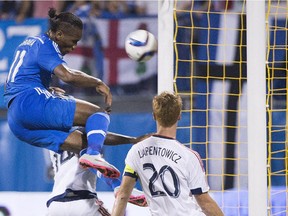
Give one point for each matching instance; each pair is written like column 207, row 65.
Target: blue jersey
column 34, row 62
column 36, row 116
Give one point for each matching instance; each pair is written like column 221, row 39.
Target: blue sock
column 96, row 129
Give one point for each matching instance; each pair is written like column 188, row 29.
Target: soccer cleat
column 137, row 197
column 98, row 163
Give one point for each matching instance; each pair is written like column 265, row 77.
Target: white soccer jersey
column 80, row 198
column 169, row 173
column 69, row 174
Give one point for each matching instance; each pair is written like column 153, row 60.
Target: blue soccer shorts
column 42, row 119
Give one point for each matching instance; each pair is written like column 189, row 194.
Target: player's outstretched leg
column 96, row 129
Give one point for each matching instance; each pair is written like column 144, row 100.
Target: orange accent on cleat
column 98, row 163
column 138, row 200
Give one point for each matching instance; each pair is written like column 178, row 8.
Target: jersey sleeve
column 130, row 167
column 128, row 171
column 197, row 178
column 48, row 57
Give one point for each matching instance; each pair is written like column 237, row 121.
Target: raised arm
column 81, row 79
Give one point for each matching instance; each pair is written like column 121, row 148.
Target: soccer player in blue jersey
column 41, row 115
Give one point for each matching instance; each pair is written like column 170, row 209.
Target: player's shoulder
column 45, row 44
column 43, row 39
column 33, row 41
column 145, row 141
column 141, row 144
column 188, row 149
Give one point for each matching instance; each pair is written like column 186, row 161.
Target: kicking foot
column 98, row 163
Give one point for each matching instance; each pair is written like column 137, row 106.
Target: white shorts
column 87, row 207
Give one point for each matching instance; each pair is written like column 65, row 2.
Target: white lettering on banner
column 3, row 77
column 3, row 64
column 4, row 61
column 23, row 30
column 2, row 39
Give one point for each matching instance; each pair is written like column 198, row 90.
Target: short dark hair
column 63, row 21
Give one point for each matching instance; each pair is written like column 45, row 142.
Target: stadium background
column 27, row 169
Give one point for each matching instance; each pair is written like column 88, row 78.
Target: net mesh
column 211, row 76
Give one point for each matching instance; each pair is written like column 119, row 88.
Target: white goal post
column 256, row 108
column 165, row 45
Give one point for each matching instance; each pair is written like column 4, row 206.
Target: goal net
column 210, row 73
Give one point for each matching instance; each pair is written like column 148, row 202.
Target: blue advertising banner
column 24, row 167
column 11, row 35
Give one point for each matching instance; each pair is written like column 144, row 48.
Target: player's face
column 68, row 41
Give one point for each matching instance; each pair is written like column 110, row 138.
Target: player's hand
column 104, row 90
column 108, row 110
column 56, row 90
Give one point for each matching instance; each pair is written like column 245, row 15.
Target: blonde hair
column 167, row 108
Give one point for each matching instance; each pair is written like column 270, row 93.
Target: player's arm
column 208, row 205
column 113, row 139
column 123, row 195
column 118, row 139
column 81, row 79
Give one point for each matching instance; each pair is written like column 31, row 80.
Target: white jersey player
column 74, row 191
column 169, row 172
column 172, row 176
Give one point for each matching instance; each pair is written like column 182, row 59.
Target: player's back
column 74, row 190
column 69, row 174
column 168, row 172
